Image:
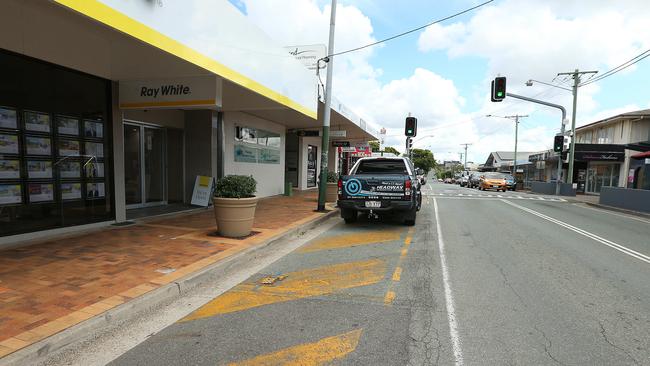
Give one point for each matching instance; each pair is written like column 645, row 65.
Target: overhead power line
column 411, row 30
column 620, row 67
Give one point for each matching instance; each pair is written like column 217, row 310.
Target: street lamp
column 530, row 83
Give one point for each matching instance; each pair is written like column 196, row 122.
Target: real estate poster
column 8, row 144
column 95, row 170
column 70, row 191
column 70, row 169
column 37, row 121
column 245, row 154
column 269, row 156
column 93, row 129
column 95, row 149
column 38, row 145
column 95, row 190
column 67, row 125
column 10, row 194
column 69, row 148
column 9, row 169
column 8, row 118
column 41, row 192
column 39, row 169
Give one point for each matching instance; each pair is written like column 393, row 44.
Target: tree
column 423, row 159
column 374, row 145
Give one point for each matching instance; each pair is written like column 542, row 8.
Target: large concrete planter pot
column 235, row 216
column 332, row 192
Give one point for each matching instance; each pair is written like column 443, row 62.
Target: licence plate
column 496, row 186
column 373, row 204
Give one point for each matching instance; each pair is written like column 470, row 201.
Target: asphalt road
column 482, row 279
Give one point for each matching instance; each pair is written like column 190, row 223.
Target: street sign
column 341, row 143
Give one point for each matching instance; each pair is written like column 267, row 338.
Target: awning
column 639, row 146
column 641, row 155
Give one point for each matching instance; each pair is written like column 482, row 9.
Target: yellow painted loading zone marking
column 321, row 352
column 353, row 239
column 115, row 19
column 297, row 285
column 397, row 275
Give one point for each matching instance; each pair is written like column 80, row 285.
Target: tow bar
column 372, row 215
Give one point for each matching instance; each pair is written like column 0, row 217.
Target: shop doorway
column 144, row 165
column 601, row 175
column 312, row 156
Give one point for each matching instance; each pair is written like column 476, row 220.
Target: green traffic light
column 499, row 94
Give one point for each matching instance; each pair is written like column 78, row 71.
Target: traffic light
column 499, row 89
column 558, row 143
column 411, row 127
column 410, row 144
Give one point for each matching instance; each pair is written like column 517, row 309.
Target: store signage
column 598, row 156
column 341, row 143
column 309, row 55
column 338, row 133
column 308, row 133
column 348, row 149
column 202, row 190
column 202, row 91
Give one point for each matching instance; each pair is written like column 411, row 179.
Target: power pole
column 576, row 84
column 322, row 189
column 466, row 145
column 516, row 118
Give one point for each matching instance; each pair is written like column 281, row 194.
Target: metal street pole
column 563, row 110
column 465, row 165
column 322, row 189
column 576, row 83
column 514, row 167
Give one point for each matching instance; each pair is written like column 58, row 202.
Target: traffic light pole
column 322, row 189
column 563, row 110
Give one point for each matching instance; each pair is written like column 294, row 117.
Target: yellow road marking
column 321, row 352
column 297, row 285
column 390, row 296
column 397, row 274
column 349, row 240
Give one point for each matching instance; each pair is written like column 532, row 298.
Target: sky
column 442, row 74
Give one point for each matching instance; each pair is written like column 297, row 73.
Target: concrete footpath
column 68, row 286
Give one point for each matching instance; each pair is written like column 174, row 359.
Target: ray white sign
column 202, row 91
column 309, row 54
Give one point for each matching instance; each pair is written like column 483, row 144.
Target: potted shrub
column 332, row 187
column 234, row 205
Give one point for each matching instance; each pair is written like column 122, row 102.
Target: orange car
column 493, row 181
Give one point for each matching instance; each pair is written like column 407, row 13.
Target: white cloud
column 525, row 39
column 529, row 39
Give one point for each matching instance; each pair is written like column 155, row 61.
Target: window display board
column 253, row 145
column 42, row 161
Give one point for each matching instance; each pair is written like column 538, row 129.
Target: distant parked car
column 510, row 182
column 440, row 180
column 474, row 179
column 448, row 180
column 493, row 180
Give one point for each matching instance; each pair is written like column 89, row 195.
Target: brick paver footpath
column 50, row 286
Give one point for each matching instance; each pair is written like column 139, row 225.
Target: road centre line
column 609, row 243
column 449, row 298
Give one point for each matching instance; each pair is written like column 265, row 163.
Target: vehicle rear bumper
column 385, row 205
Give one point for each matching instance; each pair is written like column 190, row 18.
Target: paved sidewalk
column 51, row 286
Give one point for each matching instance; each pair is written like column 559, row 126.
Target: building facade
column 107, row 107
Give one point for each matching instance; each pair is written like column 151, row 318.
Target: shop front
column 597, row 166
column 55, row 146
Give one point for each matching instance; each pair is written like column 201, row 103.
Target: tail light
column 340, row 190
column 407, row 187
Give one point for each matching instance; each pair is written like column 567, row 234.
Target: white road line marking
column 449, row 298
column 609, row 243
column 611, row 213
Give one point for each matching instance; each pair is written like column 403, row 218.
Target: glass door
column 132, row 165
column 144, row 165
